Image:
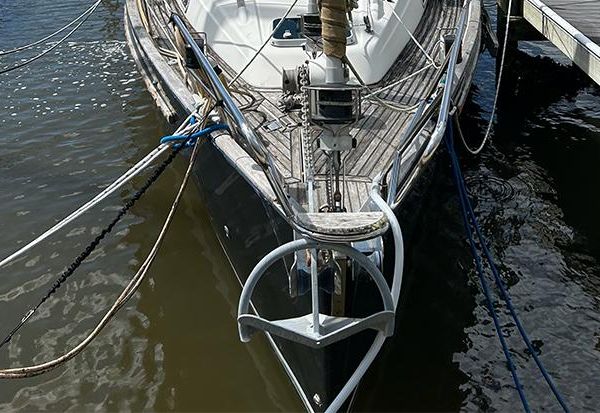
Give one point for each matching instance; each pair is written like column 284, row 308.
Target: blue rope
column 189, row 140
column 467, row 212
column 486, row 290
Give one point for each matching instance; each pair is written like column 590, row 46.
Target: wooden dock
column 571, row 25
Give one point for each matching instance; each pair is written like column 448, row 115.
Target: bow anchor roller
column 327, row 329
column 317, row 329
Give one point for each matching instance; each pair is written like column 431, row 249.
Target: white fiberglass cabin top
column 236, row 29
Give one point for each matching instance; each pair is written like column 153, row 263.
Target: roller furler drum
column 334, row 27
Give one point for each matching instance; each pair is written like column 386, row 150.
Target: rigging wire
column 412, row 37
column 62, row 29
column 58, row 43
column 497, row 93
column 260, row 49
column 471, row 222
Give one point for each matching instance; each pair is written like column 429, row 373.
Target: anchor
column 318, row 330
column 315, row 329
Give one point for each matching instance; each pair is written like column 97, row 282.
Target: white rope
column 397, row 82
column 27, row 46
column 48, row 50
column 495, row 104
column 258, row 52
column 126, row 294
column 412, row 37
column 118, row 183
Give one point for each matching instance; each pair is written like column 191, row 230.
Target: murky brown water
column 74, row 121
column 70, row 124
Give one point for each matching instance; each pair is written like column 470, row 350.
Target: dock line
column 112, row 188
column 54, row 46
column 109, row 190
column 191, row 139
column 51, row 35
column 471, row 223
column 129, row 290
column 92, row 245
column 488, row 129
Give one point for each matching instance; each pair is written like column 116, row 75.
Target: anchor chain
column 329, row 187
column 92, row 245
column 307, row 155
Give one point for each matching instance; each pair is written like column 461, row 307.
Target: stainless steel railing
column 440, row 127
column 238, row 121
column 427, row 109
column 217, row 90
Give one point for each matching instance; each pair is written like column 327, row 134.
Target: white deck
column 236, row 29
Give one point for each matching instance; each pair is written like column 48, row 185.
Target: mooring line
column 490, row 123
column 58, row 43
column 92, row 245
column 112, row 188
column 134, row 283
column 109, row 190
column 471, row 222
column 51, row 35
column 480, row 271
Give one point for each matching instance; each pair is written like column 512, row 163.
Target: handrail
column 222, row 92
column 261, row 155
column 440, row 127
column 427, row 111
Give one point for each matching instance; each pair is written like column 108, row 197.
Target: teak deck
column 379, row 131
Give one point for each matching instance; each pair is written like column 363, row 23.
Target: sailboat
column 333, row 110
